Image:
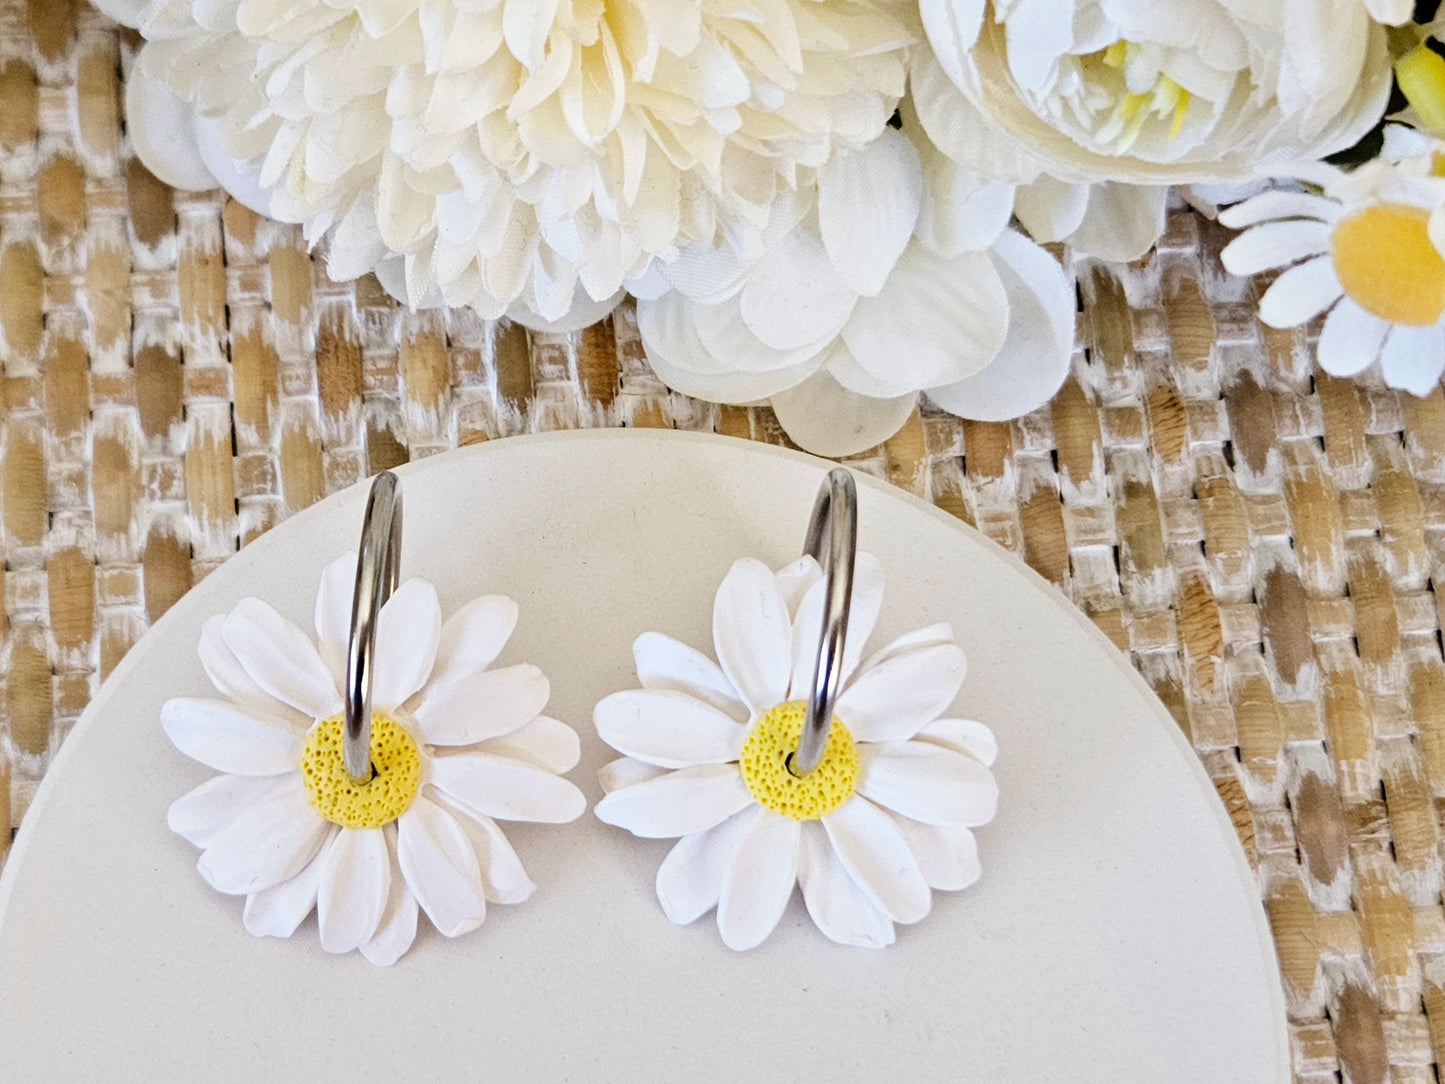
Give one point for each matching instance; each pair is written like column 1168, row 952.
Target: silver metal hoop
column 835, row 516
column 378, row 570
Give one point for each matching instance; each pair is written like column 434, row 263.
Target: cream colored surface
column 1115, row 936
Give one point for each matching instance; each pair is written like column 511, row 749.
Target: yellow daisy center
column 395, row 761
column 1386, row 264
column 764, row 763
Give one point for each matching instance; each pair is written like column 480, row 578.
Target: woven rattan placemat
column 1260, row 539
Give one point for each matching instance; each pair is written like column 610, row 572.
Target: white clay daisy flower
column 1368, row 251
column 453, row 745
column 882, row 820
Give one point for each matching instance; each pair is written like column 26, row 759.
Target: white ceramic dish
column 1116, row 934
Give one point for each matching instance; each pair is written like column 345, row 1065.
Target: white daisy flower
column 1367, row 250
column 885, row 816
column 454, row 747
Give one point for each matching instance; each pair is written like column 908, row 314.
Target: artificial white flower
column 453, row 745
column 893, row 275
column 519, row 152
column 884, row 817
column 1368, row 250
column 1147, row 92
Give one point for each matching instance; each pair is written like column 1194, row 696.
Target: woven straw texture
column 179, row 376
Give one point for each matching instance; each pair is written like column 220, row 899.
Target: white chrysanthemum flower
column 1147, row 91
column 520, row 151
column 885, row 816
column 1370, row 250
column 453, row 746
column 894, row 275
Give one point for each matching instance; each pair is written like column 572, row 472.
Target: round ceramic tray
column 1116, row 934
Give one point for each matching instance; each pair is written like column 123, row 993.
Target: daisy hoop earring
column 792, row 760
column 363, row 775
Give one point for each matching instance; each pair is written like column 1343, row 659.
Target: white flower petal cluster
column 1147, row 91
column 467, row 747
column 873, row 855
column 895, row 274
column 526, row 153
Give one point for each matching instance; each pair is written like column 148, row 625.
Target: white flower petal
column 551, row 745
column 1351, row 339
column 1123, row 221
column 927, row 636
column 838, row 906
column 583, row 312
column 794, row 579
column 163, row 132
column 825, row 418
column 1413, row 358
column 793, row 298
column 473, row 637
column 397, row 929
column 277, row 911
column 333, row 614
column 953, row 314
column 1034, row 359
column 891, row 701
column 510, row 789
column 868, row 204
column 267, row 844
column 440, row 867
column 1279, row 203
column 229, row 739
column 1300, row 293
column 504, row 880
column 962, row 736
column 669, row 729
column 962, row 211
column 676, row 804
column 665, row 663
column 759, row 880
column 231, row 680
column 199, row 815
column 947, row 853
column 280, row 658
column 726, row 332
column 1051, row 209
column 752, row 635
column 355, row 885
column 927, row 783
column 624, row 772
column 486, row 705
column 878, row 859
column 808, row 625
column 1274, row 244
column 407, row 631
column 690, row 879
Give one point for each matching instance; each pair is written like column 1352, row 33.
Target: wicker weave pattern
column 179, row 376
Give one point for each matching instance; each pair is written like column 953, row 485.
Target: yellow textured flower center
column 1387, row 265
column 764, row 764
column 395, row 760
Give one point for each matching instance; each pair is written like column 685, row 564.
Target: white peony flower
column 894, row 275
column 1370, row 250
column 884, row 817
column 453, row 745
column 1096, row 97
column 518, row 152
